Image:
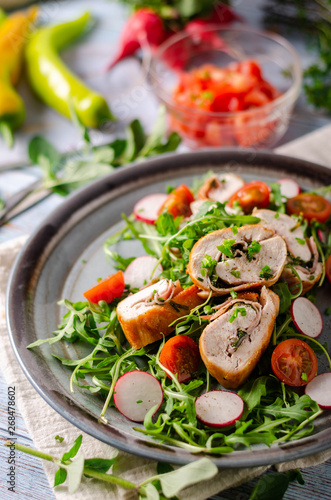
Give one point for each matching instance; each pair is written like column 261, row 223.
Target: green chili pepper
column 52, row 80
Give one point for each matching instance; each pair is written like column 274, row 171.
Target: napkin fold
column 43, row 423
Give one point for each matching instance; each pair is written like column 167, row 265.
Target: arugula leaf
column 253, row 391
column 284, row 294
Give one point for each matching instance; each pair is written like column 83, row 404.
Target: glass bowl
column 256, row 127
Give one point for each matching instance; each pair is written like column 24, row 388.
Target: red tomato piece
column 328, row 268
column 250, row 68
column 180, row 355
column 178, row 202
column 294, row 362
column 253, row 194
column 108, row 289
column 311, row 206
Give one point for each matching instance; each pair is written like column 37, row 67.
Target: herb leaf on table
column 64, row 174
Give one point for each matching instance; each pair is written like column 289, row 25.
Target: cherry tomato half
column 328, row 268
column 108, row 289
column 180, row 355
column 253, row 194
column 178, row 202
column 294, row 362
column 311, row 206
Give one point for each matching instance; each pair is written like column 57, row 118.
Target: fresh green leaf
column 41, row 152
column 60, row 477
column 100, row 464
column 284, row 294
column 195, row 472
column 73, row 450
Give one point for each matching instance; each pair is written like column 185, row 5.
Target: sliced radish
column 147, row 209
column 219, row 408
column 139, row 272
column 322, row 236
column 135, row 393
column 319, row 390
column 289, row 188
column 306, row 317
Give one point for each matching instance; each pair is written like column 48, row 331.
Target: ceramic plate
column 65, row 256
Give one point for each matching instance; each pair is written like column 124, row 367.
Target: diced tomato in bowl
column 215, row 100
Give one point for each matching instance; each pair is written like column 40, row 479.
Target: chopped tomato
column 232, row 89
column 311, row 206
column 178, row 202
column 253, row 194
column 108, row 289
column 294, row 362
column 180, row 355
column 328, row 268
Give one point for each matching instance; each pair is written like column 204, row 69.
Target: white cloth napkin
column 43, row 423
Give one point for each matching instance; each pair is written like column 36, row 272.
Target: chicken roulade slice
column 300, row 248
column 220, row 187
column 226, row 260
column 237, row 336
column 145, row 316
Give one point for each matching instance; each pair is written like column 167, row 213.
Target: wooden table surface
column 31, row 479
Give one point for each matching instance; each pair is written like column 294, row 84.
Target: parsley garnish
column 234, row 229
column 266, row 273
column 233, row 294
column 235, row 273
column 253, row 248
column 237, row 310
column 304, row 376
column 225, row 248
column 300, row 241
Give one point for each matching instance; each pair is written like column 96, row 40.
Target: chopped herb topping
column 234, row 229
column 208, row 309
column 253, row 248
column 225, row 248
column 233, row 294
column 266, row 273
column 207, row 265
column 311, row 277
column 300, row 241
column 240, row 337
column 237, row 310
column 235, row 273
column 304, row 376
column 276, row 215
column 140, row 401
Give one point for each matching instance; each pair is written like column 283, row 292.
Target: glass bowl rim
column 290, row 95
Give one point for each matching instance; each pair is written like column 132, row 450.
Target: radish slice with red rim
column 135, row 393
column 139, row 271
column 319, row 390
column 306, row 317
column 147, row 209
column 219, row 408
column 289, row 188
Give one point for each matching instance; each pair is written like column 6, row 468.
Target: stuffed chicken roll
column 248, row 257
column 146, row 316
column 237, row 336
